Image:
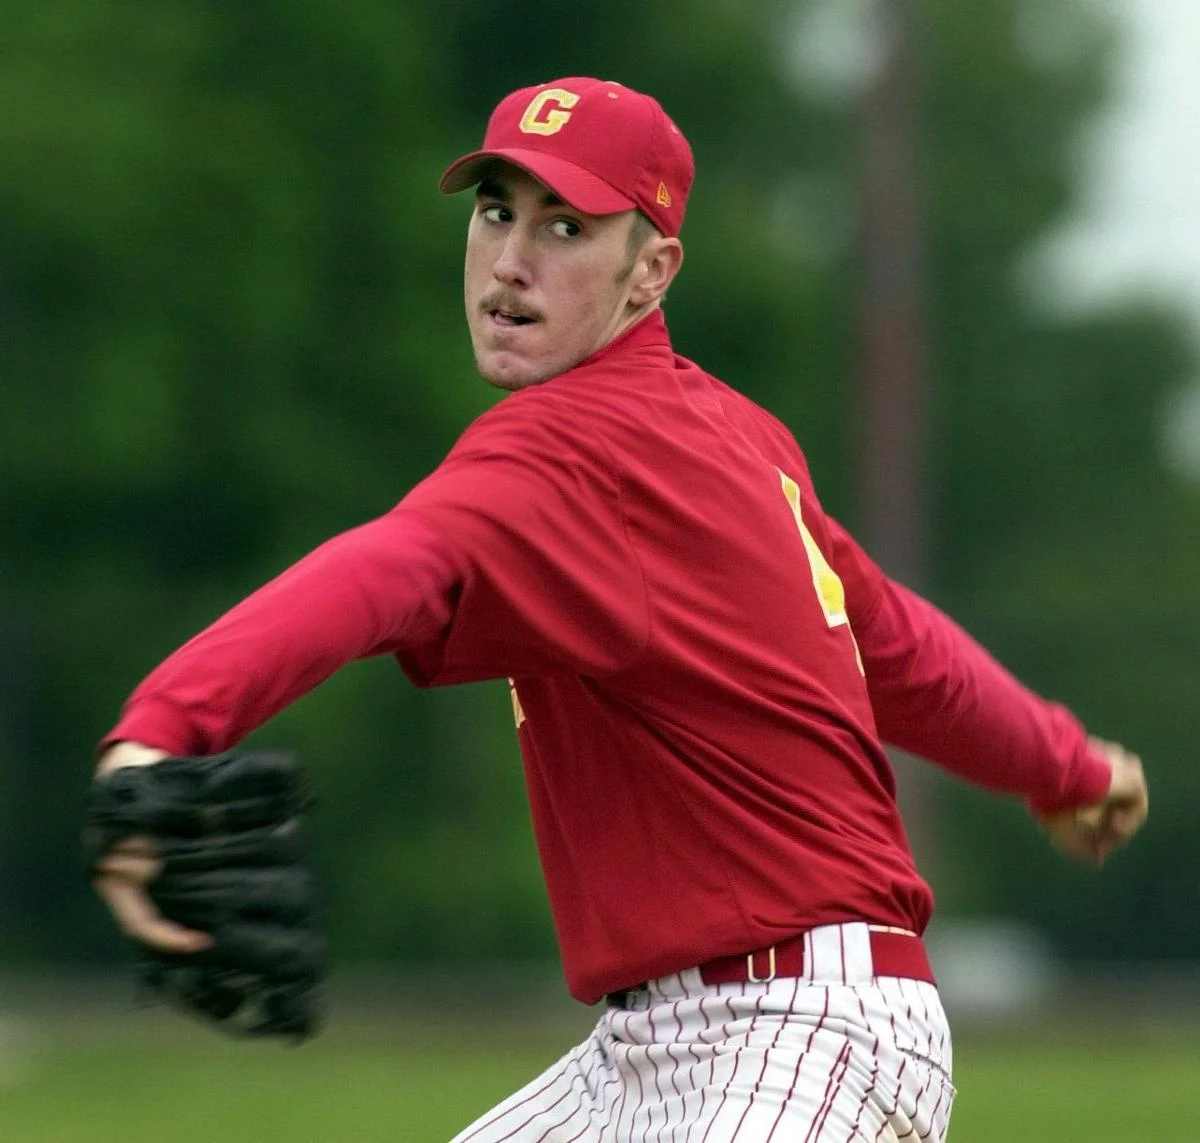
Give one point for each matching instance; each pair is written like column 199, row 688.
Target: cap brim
column 576, row 186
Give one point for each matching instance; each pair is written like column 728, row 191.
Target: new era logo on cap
column 599, row 146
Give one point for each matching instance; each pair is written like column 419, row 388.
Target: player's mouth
column 503, row 311
column 510, row 318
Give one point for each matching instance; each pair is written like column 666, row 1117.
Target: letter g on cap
column 533, row 122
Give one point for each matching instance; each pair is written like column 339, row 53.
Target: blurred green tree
column 1063, row 542
column 231, row 330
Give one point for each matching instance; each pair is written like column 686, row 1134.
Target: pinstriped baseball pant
column 835, row 1056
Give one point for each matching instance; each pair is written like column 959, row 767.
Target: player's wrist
column 121, row 754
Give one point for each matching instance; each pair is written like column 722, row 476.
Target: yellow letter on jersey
column 553, row 121
column 829, row 589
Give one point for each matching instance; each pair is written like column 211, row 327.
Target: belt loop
column 752, row 976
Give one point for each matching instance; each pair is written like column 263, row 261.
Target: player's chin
column 510, row 371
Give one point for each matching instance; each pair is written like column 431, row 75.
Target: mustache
column 505, row 301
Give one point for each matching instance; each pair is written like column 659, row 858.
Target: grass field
column 114, row 1083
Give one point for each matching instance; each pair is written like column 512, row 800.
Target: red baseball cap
column 602, row 148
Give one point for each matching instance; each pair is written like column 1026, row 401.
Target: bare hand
column 121, row 877
column 1093, row 832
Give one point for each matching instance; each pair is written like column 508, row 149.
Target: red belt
column 893, row 953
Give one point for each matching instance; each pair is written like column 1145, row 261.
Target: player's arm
column 378, row 588
column 937, row 693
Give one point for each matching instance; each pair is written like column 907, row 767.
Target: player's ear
column 655, row 270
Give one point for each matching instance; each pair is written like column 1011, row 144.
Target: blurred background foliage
column 230, row 304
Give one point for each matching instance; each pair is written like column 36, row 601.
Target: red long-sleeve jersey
column 704, row 665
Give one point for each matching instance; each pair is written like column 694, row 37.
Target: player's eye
column 566, row 228
column 495, row 212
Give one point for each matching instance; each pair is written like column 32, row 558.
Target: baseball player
column 704, row 666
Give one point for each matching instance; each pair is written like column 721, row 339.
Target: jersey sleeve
column 937, row 693
column 375, row 589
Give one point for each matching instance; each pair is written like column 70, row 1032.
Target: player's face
column 546, row 285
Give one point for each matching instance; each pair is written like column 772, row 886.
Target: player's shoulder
column 758, row 424
column 746, row 409
column 534, row 434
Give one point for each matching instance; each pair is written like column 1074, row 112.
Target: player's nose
column 514, row 260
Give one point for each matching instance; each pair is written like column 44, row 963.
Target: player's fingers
column 140, row 921
column 1075, row 837
column 1124, row 822
column 1121, row 823
column 133, row 858
column 1094, row 848
column 134, row 868
column 136, row 843
column 1129, row 808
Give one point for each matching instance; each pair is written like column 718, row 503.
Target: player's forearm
column 380, row 588
column 937, row 693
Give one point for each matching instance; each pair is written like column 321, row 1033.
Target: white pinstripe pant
column 837, row 1056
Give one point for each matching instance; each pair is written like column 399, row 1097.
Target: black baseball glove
column 227, row 830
